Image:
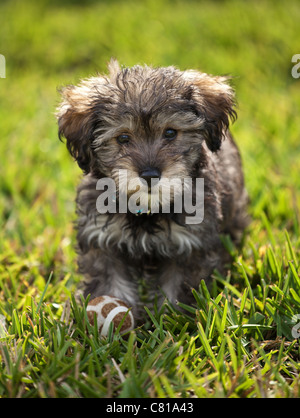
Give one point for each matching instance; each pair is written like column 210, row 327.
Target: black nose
column 150, row 173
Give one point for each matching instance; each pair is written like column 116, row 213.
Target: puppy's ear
column 75, row 122
column 214, row 99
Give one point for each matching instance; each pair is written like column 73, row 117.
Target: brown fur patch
column 118, row 318
column 97, row 300
column 107, row 308
column 91, row 316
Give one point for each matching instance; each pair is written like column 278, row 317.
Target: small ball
column 109, row 309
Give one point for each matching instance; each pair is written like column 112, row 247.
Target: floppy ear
column 214, row 99
column 75, row 122
column 79, row 113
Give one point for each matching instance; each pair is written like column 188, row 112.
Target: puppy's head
column 151, row 122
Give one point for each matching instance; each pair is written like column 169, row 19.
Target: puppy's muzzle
column 150, row 173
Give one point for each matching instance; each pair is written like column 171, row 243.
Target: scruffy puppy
column 153, row 124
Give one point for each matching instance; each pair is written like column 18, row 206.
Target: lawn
column 240, row 339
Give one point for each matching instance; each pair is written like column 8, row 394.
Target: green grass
column 237, row 341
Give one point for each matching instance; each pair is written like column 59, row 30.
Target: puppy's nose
column 150, row 173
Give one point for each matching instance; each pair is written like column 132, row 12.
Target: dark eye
column 123, row 139
column 170, row 134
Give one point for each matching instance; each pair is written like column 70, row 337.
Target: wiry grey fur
column 117, row 250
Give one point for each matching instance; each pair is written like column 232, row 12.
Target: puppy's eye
column 123, row 139
column 170, row 134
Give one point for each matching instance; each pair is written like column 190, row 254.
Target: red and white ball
column 109, row 309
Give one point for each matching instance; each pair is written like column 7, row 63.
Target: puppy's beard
column 142, row 198
column 165, row 194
